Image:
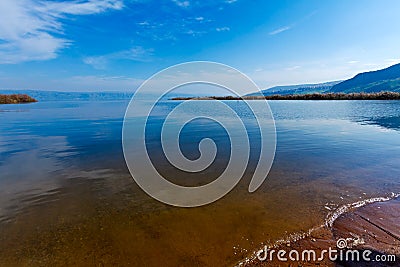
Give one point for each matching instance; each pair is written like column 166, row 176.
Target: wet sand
column 373, row 227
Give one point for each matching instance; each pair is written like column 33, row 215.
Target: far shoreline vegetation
column 314, row 96
column 16, row 99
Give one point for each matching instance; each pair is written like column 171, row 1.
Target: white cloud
column 136, row 53
column 31, row 29
column 223, row 29
column 352, row 62
column 230, row 1
column 280, row 30
column 181, row 3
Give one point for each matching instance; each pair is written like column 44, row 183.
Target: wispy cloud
column 293, row 68
column 370, row 64
column 174, row 28
column 280, row 30
column 223, row 29
column 93, row 83
column 290, row 26
column 79, row 7
column 183, row 4
column 195, row 33
column 136, row 53
column 97, row 62
column 32, row 29
column 393, row 60
column 74, row 83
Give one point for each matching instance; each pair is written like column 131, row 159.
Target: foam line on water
column 348, row 207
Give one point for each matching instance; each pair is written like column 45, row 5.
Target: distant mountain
column 297, row 89
column 368, row 82
column 372, row 82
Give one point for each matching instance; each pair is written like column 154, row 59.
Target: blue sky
column 89, row 45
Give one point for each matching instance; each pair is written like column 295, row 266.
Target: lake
column 67, row 197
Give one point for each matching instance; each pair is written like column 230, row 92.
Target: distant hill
column 300, row 89
column 371, row 82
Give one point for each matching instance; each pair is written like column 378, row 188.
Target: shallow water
column 67, row 198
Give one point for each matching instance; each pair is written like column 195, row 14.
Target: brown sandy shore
column 374, row 227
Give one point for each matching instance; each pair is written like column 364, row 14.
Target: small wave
column 346, row 208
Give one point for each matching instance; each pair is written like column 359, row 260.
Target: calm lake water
column 67, row 198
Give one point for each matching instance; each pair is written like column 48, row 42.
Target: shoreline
column 315, row 96
column 371, row 225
